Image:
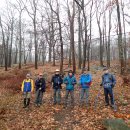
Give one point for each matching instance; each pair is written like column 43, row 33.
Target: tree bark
column 121, row 57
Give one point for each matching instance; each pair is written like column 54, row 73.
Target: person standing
column 108, row 83
column 40, row 85
column 27, row 88
column 56, row 83
column 85, row 83
column 70, row 81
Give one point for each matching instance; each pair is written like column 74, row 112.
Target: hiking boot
column 112, row 106
column 38, row 105
column 54, row 103
column 106, row 104
column 28, row 102
column 59, row 103
column 65, row 105
column 25, row 105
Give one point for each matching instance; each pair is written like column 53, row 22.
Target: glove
column 112, row 85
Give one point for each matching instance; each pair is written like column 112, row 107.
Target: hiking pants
column 109, row 91
column 39, row 96
column 71, row 92
column 57, row 95
column 84, row 91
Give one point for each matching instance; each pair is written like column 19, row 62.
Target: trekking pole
column 97, row 97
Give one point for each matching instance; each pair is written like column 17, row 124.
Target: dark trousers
column 57, row 96
column 39, row 96
column 109, row 92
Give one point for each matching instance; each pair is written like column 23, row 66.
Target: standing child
column 27, row 88
column 70, row 81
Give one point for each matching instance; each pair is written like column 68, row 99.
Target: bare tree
column 57, row 13
column 98, row 16
column 20, row 7
column 79, row 38
column 124, row 31
column 33, row 15
column 5, row 44
column 89, row 44
column 121, row 56
column 71, row 24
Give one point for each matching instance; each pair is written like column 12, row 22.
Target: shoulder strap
column 110, row 76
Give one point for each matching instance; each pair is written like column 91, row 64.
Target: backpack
column 107, row 78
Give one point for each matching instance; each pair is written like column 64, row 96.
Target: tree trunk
column 108, row 45
column 90, row 37
column 35, row 42
column 5, row 46
column 20, row 42
column 72, row 45
column 124, row 39
column 85, row 42
column 10, row 50
column 79, row 39
column 121, row 57
column 54, row 56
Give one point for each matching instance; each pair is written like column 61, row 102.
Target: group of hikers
column 108, row 82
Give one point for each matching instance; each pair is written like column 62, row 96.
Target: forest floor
column 50, row 117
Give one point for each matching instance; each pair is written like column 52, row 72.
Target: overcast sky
column 94, row 23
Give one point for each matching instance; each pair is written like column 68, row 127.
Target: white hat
column 41, row 74
column 57, row 70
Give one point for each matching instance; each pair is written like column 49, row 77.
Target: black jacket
column 40, row 83
column 57, row 81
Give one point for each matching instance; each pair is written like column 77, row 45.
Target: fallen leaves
column 122, row 116
column 49, row 117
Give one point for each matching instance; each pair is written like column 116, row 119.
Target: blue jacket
column 40, row 83
column 85, row 80
column 108, row 80
column 70, row 82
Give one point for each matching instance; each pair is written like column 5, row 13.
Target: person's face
column 40, row 76
column 84, row 72
column 106, row 71
column 70, row 74
column 27, row 77
column 57, row 72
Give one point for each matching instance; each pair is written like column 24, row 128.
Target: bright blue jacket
column 85, row 80
column 70, row 82
column 108, row 80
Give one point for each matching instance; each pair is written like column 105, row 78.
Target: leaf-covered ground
column 50, row 117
